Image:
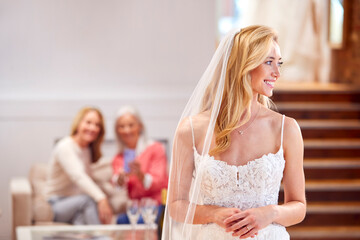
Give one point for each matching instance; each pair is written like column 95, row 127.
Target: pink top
column 152, row 161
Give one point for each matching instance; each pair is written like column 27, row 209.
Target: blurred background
column 58, row 56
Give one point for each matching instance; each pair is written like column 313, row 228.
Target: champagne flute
column 149, row 210
column 133, row 213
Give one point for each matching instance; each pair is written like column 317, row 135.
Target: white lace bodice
column 255, row 184
column 252, row 185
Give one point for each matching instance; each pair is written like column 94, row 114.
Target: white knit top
column 69, row 172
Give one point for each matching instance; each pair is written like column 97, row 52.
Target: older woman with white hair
column 140, row 164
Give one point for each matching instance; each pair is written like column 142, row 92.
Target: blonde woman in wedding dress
column 231, row 151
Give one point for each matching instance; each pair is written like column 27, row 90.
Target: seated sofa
column 28, row 203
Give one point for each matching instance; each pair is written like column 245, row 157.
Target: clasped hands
column 245, row 223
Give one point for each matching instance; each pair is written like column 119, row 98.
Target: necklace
column 241, row 132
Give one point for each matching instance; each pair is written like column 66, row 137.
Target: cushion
column 38, row 171
column 101, row 171
column 41, row 209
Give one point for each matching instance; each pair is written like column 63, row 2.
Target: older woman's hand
column 136, row 170
column 121, row 179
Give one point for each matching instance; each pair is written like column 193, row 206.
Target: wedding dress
column 195, row 177
column 253, row 185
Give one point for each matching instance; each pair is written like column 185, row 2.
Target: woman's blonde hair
column 250, row 48
column 95, row 147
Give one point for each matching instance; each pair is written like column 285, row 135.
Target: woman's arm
column 181, row 173
column 181, row 177
column 294, row 208
column 74, row 168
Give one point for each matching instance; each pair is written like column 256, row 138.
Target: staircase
column 329, row 121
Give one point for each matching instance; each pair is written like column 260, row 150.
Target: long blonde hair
column 95, row 147
column 250, row 48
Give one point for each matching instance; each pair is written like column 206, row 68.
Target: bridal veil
column 185, row 175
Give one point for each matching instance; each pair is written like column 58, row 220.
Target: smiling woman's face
column 128, row 129
column 89, row 128
column 264, row 76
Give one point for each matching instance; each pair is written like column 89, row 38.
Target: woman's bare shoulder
column 291, row 127
column 272, row 116
column 196, row 124
column 197, row 121
column 291, row 132
column 201, row 118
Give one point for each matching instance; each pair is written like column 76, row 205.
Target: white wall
column 57, row 56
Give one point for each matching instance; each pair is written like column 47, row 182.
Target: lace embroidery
column 247, row 186
column 252, row 185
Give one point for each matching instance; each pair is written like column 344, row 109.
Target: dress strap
column 192, row 131
column 282, row 130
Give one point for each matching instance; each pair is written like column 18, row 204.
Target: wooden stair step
column 345, row 163
column 333, row 207
column 333, row 159
column 318, row 106
column 332, row 173
column 331, row 219
column 323, row 128
column 331, row 148
column 330, row 195
column 305, row 110
column 333, row 185
column 324, row 232
column 316, row 87
column 316, row 92
column 332, row 143
column 315, row 96
column 332, row 169
column 329, row 124
column 333, row 190
column 325, row 190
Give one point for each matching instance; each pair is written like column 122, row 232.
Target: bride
column 231, row 151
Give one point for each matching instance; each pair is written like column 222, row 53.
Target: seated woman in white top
column 74, row 196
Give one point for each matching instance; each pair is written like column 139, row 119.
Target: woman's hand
column 105, row 211
column 136, row 170
column 121, row 180
column 222, row 213
column 247, row 223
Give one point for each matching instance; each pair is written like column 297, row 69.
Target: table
column 87, row 232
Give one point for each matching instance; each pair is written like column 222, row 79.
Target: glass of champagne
column 133, row 213
column 149, row 211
